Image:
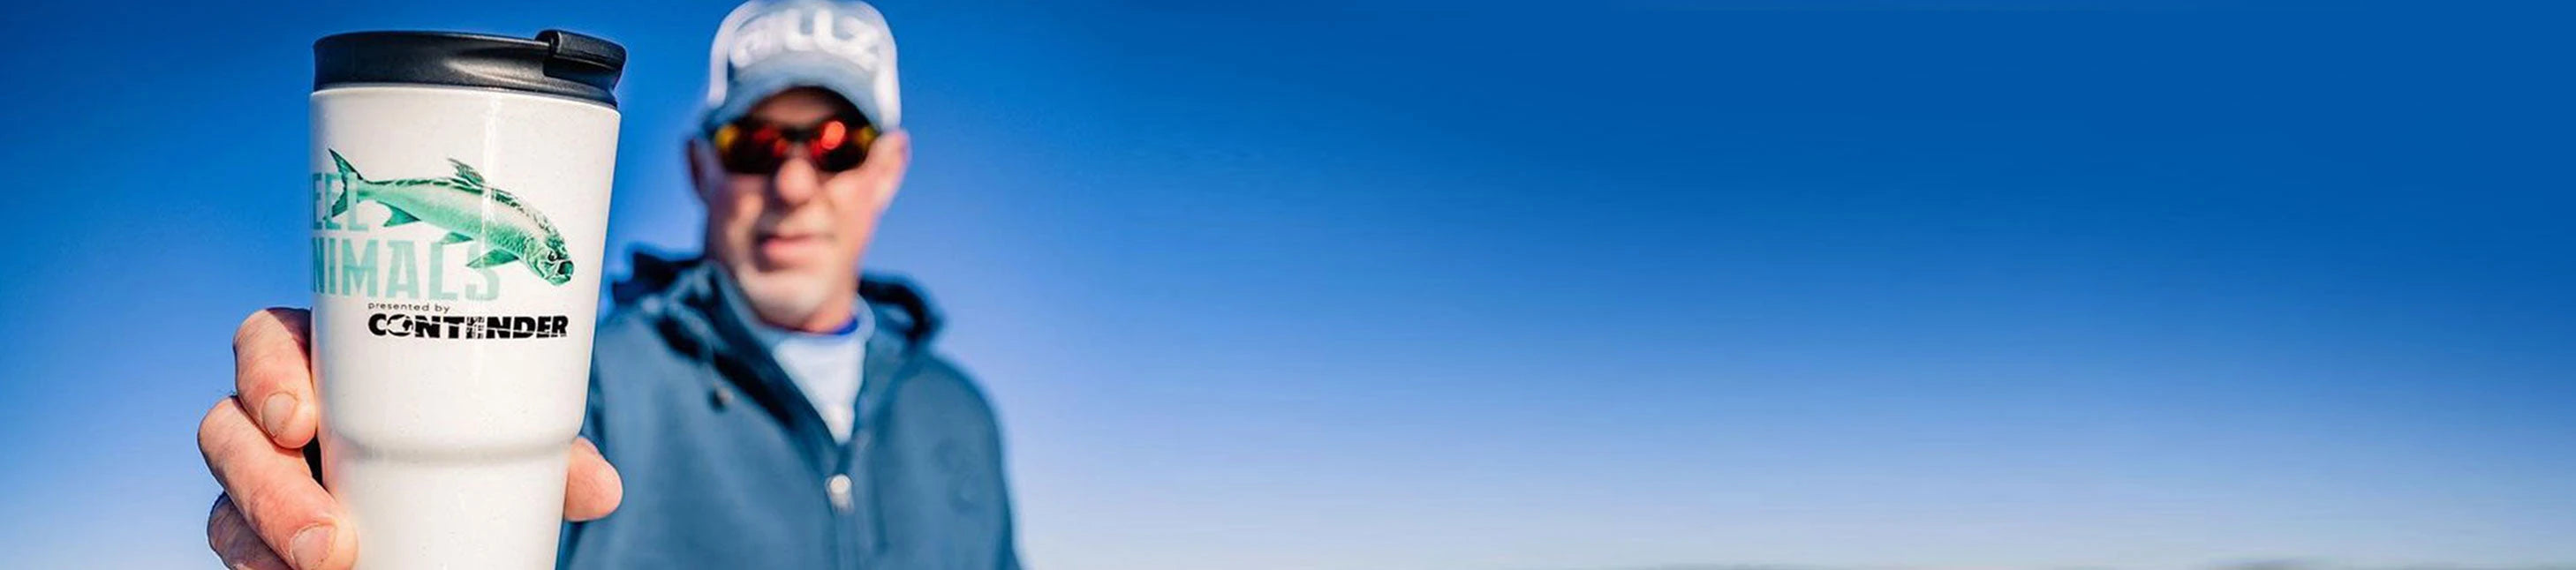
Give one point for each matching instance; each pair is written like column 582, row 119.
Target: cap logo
column 801, row 30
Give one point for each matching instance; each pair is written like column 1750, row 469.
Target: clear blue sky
column 1509, row 287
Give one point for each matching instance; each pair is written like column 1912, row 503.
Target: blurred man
column 764, row 406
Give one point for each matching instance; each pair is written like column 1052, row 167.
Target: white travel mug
column 460, row 198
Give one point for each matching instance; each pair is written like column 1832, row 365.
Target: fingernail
column 274, row 412
column 310, row 546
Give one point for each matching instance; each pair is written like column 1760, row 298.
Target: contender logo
column 467, row 327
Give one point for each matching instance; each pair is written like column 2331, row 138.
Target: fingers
column 274, row 492
column 234, row 543
column 592, row 488
column 273, row 375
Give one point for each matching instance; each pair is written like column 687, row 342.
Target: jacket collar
column 689, row 308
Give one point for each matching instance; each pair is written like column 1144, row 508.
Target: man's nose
column 797, row 181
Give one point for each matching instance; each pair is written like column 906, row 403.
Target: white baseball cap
column 768, row 46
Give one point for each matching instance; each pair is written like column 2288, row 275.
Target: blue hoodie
column 727, row 466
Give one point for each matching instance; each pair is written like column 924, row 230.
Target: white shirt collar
column 827, row 367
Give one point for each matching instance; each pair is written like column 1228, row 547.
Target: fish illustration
column 469, row 210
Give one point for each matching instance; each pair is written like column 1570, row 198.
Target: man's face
column 792, row 240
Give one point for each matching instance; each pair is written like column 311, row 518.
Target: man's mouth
column 781, row 246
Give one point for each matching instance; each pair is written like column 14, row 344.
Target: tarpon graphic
column 469, row 210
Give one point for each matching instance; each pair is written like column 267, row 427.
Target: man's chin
column 785, row 266
column 789, row 294
column 787, row 277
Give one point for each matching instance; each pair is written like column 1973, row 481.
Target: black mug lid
column 556, row 63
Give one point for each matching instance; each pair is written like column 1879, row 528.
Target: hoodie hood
column 685, row 305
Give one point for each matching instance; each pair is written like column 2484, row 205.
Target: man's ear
column 695, row 152
column 889, row 157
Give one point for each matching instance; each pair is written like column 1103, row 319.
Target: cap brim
column 779, row 74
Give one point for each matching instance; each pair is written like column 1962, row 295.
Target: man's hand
column 273, row 515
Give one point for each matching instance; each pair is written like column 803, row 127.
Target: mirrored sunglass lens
column 751, row 150
column 848, row 146
column 848, row 156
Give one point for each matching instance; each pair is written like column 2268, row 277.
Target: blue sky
column 1513, row 287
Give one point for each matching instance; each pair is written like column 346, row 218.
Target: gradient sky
column 1465, row 285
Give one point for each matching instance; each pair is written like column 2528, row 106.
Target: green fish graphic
column 469, row 210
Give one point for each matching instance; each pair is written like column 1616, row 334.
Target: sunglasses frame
column 734, row 150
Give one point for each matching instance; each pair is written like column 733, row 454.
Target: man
column 764, row 407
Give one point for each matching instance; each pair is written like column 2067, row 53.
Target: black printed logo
column 464, row 327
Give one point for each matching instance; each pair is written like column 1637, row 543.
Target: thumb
column 592, row 488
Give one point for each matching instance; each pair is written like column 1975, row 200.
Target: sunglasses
column 751, row 146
